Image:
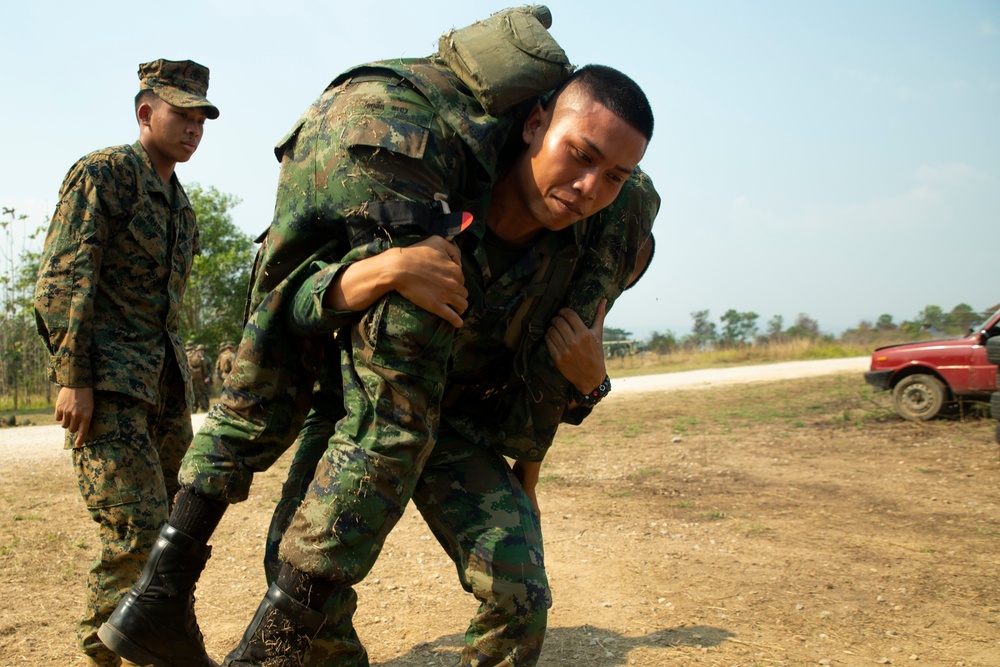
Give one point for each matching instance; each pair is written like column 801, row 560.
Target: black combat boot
column 280, row 634
column 155, row 624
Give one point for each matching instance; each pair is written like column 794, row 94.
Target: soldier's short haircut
column 145, row 96
column 617, row 92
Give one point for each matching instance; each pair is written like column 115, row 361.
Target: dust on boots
column 280, row 634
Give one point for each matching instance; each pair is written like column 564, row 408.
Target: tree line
column 211, row 313
column 735, row 329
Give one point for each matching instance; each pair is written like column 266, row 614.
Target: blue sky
column 837, row 159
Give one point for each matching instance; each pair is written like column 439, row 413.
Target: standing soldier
column 204, row 390
column 201, row 372
column 224, row 366
column 107, row 302
column 189, row 356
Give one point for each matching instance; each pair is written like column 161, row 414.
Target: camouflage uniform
column 381, row 139
column 107, row 302
column 480, row 421
column 201, row 376
column 206, row 383
column 224, row 365
column 370, row 142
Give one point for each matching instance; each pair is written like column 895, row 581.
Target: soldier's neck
column 510, row 218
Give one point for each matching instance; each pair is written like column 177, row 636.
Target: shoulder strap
column 542, row 298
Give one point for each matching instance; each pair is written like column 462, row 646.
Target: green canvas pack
column 508, row 58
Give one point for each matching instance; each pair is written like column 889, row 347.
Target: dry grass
column 780, row 524
column 649, row 363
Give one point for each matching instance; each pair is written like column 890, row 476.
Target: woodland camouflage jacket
column 265, row 399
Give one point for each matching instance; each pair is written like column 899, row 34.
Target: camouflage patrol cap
column 201, row 348
column 226, row 345
column 182, row 83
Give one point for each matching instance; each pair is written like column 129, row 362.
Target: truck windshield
column 982, row 326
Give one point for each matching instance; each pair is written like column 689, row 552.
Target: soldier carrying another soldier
column 423, row 366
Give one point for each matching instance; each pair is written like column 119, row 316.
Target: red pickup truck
column 925, row 376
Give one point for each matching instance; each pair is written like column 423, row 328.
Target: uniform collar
column 151, row 181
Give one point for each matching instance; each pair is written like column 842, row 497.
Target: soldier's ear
column 536, row 122
column 143, row 113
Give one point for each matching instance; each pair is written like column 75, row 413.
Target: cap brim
column 186, row 100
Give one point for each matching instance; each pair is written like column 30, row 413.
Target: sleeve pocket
column 388, row 132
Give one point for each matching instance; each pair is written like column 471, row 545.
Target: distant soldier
column 209, row 365
column 224, row 366
column 188, row 357
column 110, row 283
column 201, row 375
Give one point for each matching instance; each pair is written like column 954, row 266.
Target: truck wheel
column 996, row 432
column 918, row 397
column 993, row 350
column 995, row 405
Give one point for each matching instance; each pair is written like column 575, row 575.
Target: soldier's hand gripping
column 430, row 276
column 578, row 351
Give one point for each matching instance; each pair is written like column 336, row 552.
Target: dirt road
column 39, row 442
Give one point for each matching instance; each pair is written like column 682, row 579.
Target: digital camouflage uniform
column 481, row 420
column 206, row 384
column 107, row 303
column 337, row 167
column 370, row 138
column 119, row 233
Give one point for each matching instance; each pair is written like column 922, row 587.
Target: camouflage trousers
column 479, row 513
column 383, row 452
column 127, row 473
column 202, row 390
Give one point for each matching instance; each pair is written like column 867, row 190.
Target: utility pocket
column 104, row 463
column 506, row 59
column 402, row 337
column 389, row 160
column 150, row 235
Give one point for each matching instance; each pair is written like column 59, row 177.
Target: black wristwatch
column 591, row 399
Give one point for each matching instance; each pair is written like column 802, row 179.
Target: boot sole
column 132, row 652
